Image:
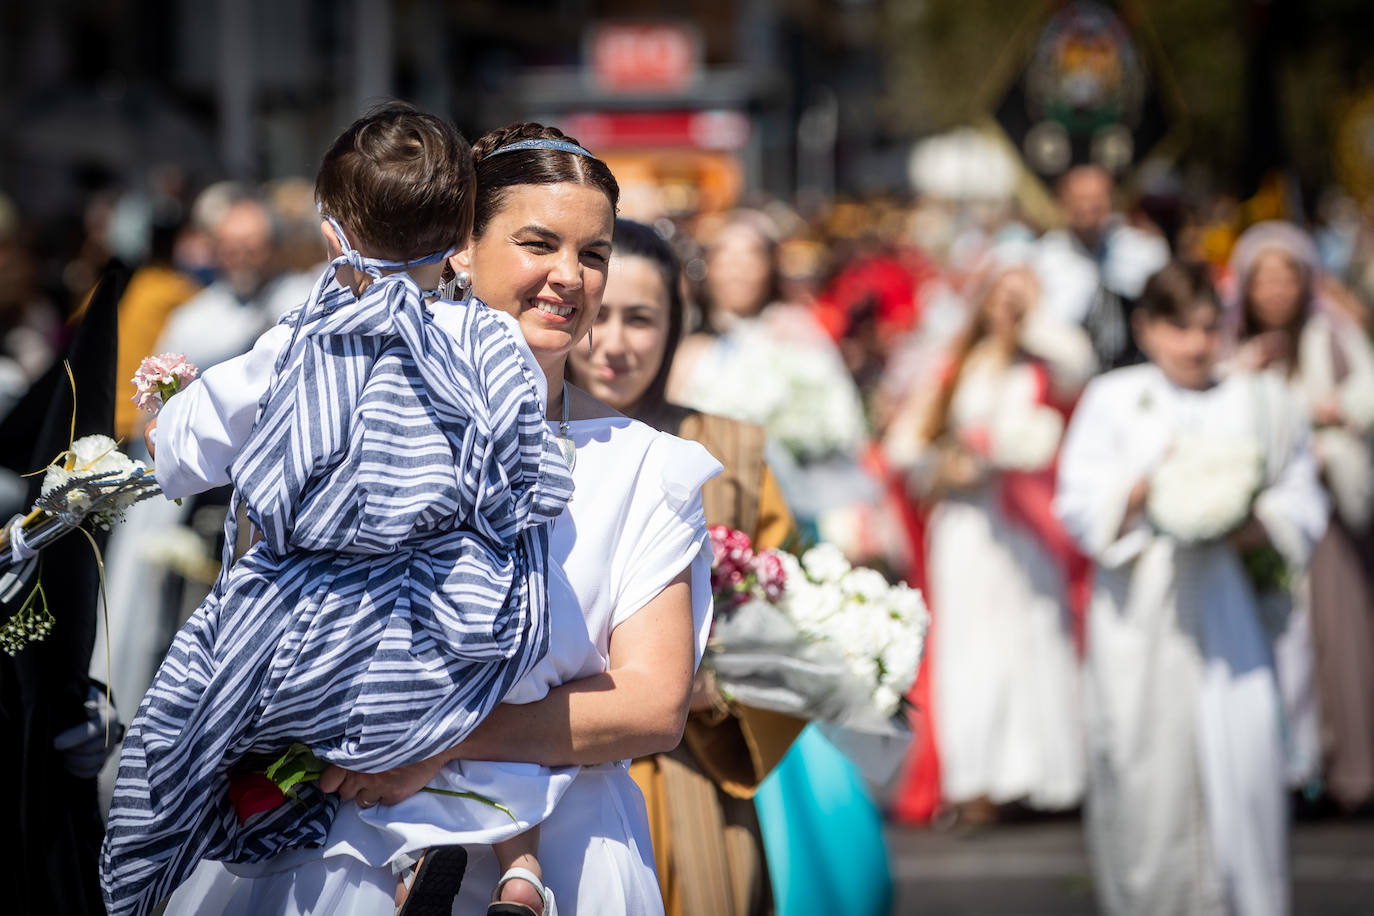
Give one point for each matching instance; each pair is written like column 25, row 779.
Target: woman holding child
column 628, row 596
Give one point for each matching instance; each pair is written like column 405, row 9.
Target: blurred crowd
column 915, row 363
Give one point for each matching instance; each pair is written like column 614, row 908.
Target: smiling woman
column 628, row 594
column 541, row 238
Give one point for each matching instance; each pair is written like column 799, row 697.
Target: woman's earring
column 455, row 288
column 589, row 342
column 462, row 281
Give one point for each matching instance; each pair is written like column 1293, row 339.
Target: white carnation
column 1204, row 488
column 867, row 584
column 90, row 456
column 825, row 563
column 799, row 391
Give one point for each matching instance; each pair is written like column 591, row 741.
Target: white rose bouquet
column 814, row 637
column 799, row 391
column 1205, row 487
column 1025, row 439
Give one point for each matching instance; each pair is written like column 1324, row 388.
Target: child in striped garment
column 401, row 477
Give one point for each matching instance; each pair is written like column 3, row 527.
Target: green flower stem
column 299, row 764
column 474, row 796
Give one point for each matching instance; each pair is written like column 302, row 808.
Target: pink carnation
column 771, row 576
column 160, row 377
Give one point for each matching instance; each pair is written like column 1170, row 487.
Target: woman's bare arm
column 637, row 707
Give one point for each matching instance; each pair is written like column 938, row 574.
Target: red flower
column 253, row 793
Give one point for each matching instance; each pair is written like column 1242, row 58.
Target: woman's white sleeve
column 1094, row 487
column 202, row 428
column 1293, row 509
column 664, row 532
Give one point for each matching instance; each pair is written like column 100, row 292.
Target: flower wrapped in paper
column 814, row 637
column 92, row 481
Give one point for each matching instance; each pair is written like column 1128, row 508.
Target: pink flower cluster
column 738, row 574
column 160, row 377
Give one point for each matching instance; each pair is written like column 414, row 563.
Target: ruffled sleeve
column 664, row 532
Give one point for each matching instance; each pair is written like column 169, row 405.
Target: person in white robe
column 979, row 444
column 1186, row 810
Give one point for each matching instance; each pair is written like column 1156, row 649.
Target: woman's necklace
column 565, row 439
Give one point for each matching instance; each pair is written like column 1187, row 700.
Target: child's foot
column 522, row 892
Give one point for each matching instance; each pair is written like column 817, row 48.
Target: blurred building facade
column 766, row 94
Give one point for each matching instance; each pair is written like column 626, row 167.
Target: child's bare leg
column 520, row 851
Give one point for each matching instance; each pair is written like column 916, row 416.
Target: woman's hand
column 1135, row 503
column 706, row 696
column 148, row 437
column 960, row 467
column 387, row 788
column 1250, row 536
column 1328, row 412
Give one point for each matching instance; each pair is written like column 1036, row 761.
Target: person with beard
column 1094, row 268
column 249, row 293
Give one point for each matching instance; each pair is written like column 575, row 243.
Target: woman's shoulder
column 646, row 463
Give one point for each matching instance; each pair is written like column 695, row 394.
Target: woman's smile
column 555, row 310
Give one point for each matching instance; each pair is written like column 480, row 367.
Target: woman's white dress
column 635, row 522
column 1005, row 674
column 1186, row 810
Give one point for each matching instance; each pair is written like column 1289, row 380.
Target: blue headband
column 566, row 146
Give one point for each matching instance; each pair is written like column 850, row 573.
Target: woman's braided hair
column 496, row 174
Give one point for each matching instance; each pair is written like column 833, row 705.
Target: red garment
column 917, row 796
column 890, row 283
column 1027, row 499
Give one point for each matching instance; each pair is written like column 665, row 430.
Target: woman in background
column 770, row 362
column 979, row 445
column 1329, row 365
column 822, row 834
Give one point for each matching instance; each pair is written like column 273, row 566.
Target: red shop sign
column 643, row 57
column 709, row 130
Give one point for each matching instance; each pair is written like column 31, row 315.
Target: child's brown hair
column 400, row 182
column 1176, row 289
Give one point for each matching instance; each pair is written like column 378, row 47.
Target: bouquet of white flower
column 92, row 480
column 1205, row 487
column 799, row 391
column 813, row 637
column 1025, row 439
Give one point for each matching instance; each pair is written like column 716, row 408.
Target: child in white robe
column 1186, row 804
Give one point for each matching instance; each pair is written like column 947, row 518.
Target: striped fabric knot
column 402, row 477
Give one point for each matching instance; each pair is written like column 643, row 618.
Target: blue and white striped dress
column 402, row 477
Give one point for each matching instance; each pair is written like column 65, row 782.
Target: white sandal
column 500, row 908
